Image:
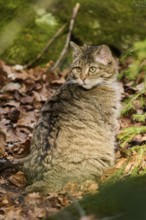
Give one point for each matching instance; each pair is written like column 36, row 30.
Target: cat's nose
column 83, row 77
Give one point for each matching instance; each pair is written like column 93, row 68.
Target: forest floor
column 22, row 94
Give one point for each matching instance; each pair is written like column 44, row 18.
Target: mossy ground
column 115, row 23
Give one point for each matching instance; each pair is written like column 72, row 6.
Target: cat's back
column 74, row 139
column 76, row 126
column 73, row 104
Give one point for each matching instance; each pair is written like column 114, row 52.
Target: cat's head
column 92, row 65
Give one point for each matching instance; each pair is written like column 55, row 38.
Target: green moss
column 34, row 40
column 105, row 21
column 109, row 22
column 25, row 31
column 124, row 200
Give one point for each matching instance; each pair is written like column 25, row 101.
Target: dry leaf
column 120, row 163
column 13, row 114
column 27, row 100
column 11, row 87
column 18, row 179
column 13, row 213
column 2, row 143
column 59, row 81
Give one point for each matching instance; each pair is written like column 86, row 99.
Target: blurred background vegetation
column 27, row 25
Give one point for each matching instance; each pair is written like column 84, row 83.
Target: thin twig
column 71, row 26
column 31, row 63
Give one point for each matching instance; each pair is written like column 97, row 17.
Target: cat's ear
column 76, row 49
column 103, row 55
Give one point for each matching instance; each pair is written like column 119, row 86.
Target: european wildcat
column 74, row 139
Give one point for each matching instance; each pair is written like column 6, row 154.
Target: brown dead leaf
column 65, row 73
column 129, row 167
column 38, row 86
column 120, row 163
column 125, row 122
column 21, row 150
column 27, row 100
column 3, row 111
column 11, row 86
column 15, row 135
column 13, row 114
column 37, row 213
column 33, row 198
column 62, row 200
column 12, row 103
column 46, row 92
column 2, row 143
column 13, row 212
column 5, row 96
column 3, row 78
column 18, row 179
column 36, row 73
column 5, row 68
column 7, row 199
column 27, row 119
column 2, row 181
column 18, row 67
column 59, row 81
column 49, row 77
column 39, row 97
column 3, row 124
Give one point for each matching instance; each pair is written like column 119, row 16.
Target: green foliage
column 135, row 72
column 128, row 105
column 128, row 53
column 139, row 117
column 137, row 53
column 127, row 134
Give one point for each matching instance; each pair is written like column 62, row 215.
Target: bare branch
column 45, row 49
column 71, row 26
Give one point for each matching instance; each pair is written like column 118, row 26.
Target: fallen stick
column 71, row 26
column 31, row 63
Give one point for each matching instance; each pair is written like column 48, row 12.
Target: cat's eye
column 78, row 69
column 92, row 69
